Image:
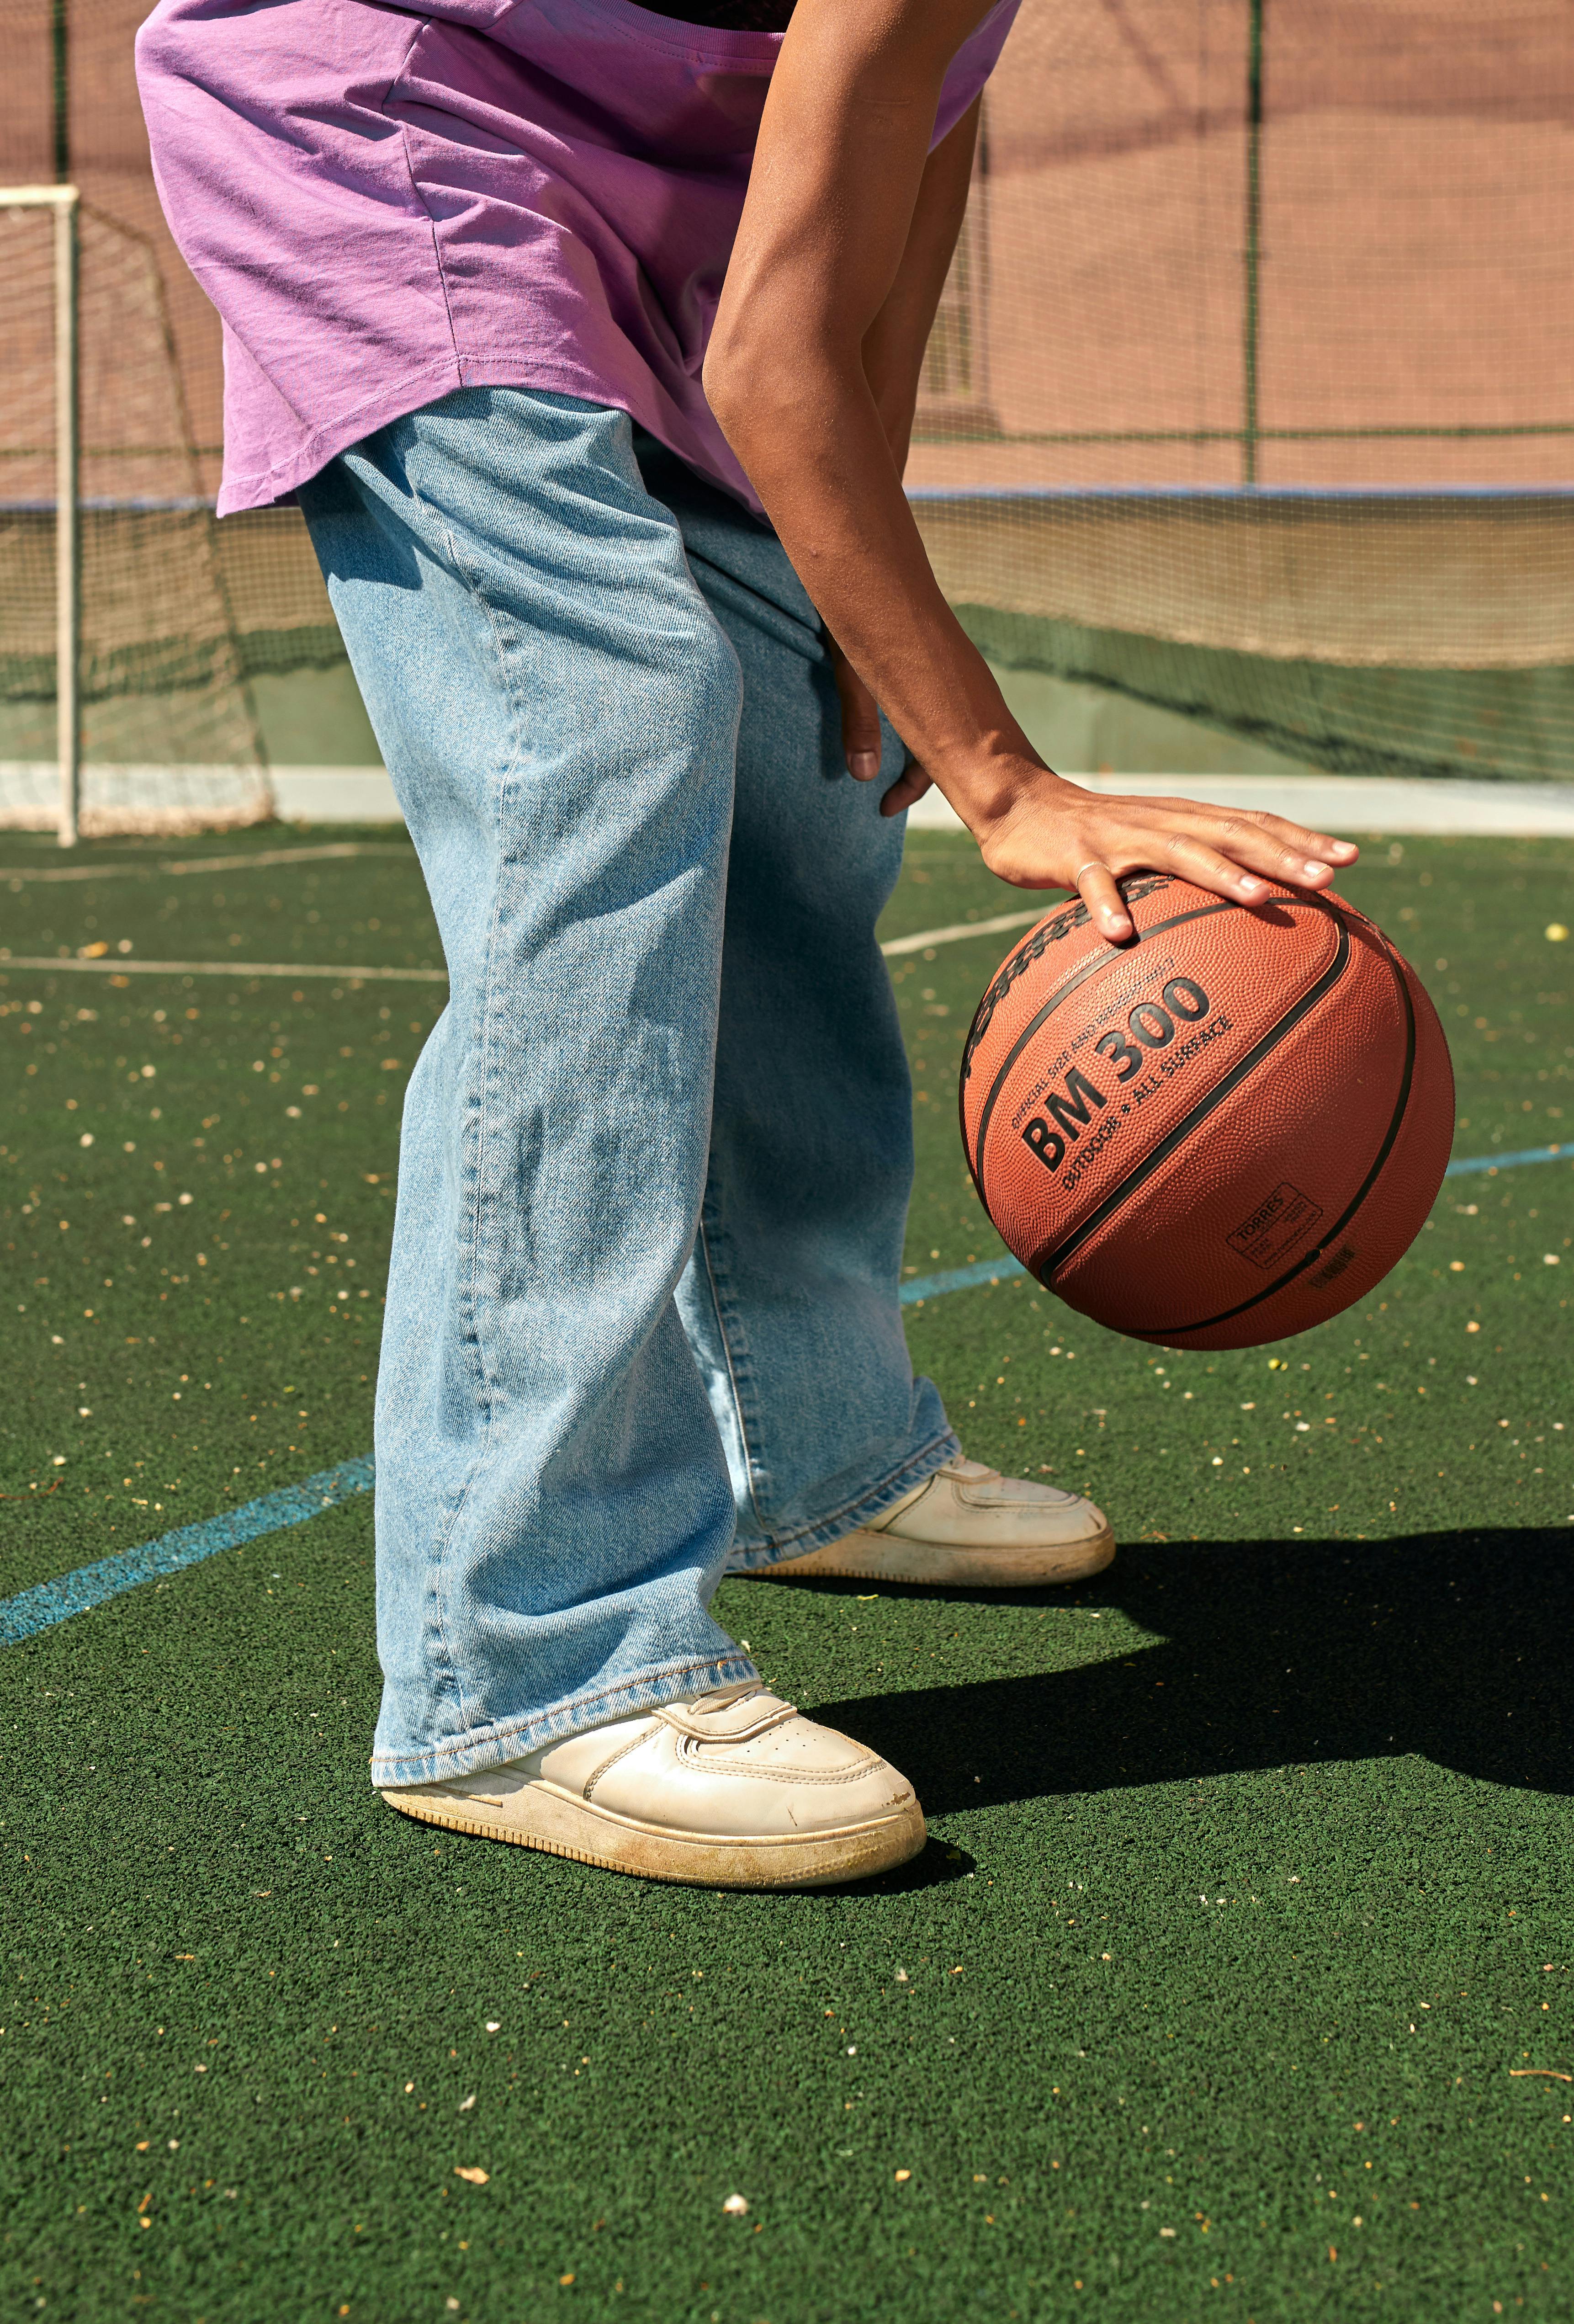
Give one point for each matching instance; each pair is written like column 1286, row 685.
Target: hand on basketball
column 1054, row 833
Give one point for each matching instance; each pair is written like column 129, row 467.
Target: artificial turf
column 1218, row 1989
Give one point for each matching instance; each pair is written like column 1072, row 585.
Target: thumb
column 861, row 740
column 909, row 785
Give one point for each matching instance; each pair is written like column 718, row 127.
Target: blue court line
column 961, row 1278
column 49, row 1602
column 40, row 1607
column 1003, row 1270
column 1507, row 1161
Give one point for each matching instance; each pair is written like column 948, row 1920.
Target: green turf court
column 1235, row 1981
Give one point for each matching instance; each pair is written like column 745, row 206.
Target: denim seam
column 779, row 622
column 472, row 583
column 724, row 1328
column 471, row 1303
column 822, row 1531
column 449, row 1667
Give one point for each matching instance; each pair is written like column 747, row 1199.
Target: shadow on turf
column 1449, row 1645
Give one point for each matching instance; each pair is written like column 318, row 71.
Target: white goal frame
column 63, row 201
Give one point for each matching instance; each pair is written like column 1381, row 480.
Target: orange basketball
column 1220, row 1133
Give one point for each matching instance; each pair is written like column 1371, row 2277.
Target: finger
column 861, row 740
column 910, row 784
column 1106, row 906
column 1298, row 841
column 1295, row 838
column 1270, row 844
column 1199, row 846
column 1229, row 875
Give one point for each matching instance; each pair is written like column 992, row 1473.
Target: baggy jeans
column 642, row 1312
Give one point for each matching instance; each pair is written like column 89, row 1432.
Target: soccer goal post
column 62, row 202
column 126, row 701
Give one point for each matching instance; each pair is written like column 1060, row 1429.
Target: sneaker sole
column 560, row 1825
column 878, row 1557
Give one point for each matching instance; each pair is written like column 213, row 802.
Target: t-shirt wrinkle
column 560, row 215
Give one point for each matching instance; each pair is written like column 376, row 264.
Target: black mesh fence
column 1252, row 394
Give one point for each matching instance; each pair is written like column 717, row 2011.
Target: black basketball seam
column 1401, row 1109
column 1053, row 929
column 1079, row 976
column 1055, row 1254
column 975, row 1161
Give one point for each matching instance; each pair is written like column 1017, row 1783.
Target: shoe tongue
column 971, row 1470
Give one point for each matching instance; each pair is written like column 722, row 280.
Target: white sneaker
column 732, row 1790
column 967, row 1527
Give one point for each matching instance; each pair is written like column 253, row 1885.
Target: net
column 168, row 731
column 169, row 738
column 1251, row 397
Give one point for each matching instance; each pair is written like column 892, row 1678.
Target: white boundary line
column 113, row 967
column 313, row 798
column 110, row 965
column 959, row 929
column 15, row 873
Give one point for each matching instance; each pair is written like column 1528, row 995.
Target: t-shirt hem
column 263, row 488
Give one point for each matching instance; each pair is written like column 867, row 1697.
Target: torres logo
column 1069, row 1114
column 1281, row 1220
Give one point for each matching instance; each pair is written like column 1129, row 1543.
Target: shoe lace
column 682, row 1715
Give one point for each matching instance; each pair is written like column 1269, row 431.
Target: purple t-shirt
column 386, row 205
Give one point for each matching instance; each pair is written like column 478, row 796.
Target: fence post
column 1253, row 320
column 68, row 519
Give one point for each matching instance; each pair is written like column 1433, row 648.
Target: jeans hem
column 513, row 1738
column 819, row 1533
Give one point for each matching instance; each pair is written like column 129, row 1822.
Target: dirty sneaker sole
column 882, row 1557
column 555, row 1822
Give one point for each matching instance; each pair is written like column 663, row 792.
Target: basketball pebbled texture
column 1219, row 1134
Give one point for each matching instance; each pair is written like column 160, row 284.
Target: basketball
column 1218, row 1134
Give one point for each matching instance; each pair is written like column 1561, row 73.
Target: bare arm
column 811, row 373
column 893, row 353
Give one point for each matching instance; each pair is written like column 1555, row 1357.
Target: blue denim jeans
column 642, row 1311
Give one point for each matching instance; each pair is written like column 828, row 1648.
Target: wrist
column 992, row 780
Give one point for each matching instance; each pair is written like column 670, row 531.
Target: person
column 587, row 336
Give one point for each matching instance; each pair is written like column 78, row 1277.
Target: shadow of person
column 1451, row 1645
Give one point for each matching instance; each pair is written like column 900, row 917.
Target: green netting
column 1251, row 396
column 162, row 677
column 1512, row 724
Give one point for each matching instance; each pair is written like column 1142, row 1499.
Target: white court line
column 16, row 872
column 112, row 966
column 997, row 926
